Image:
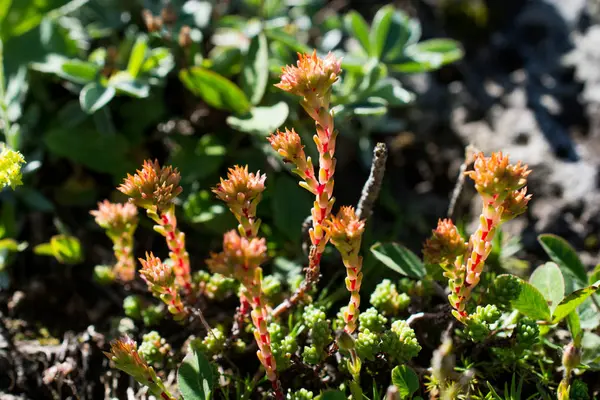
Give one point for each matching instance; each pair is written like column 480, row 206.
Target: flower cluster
column 501, row 186
column 160, row 279
column 155, row 188
column 10, row 167
column 241, row 258
column 312, row 79
column 120, row 222
column 152, row 187
column 242, row 192
column 124, row 354
column 312, row 76
column 345, row 231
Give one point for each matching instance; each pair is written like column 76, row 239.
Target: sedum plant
column 310, row 346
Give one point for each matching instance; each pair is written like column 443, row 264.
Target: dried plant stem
column 372, row 187
column 309, row 280
column 470, row 152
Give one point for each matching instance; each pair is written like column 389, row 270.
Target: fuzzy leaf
column 137, row 56
column 195, row 377
column 356, row 25
column 94, row 96
column 255, row 73
column 572, row 301
column 561, row 252
column 406, row 380
column 79, row 71
column 380, row 29
column 399, row 258
column 261, row 120
column 531, row 302
column 549, row 281
column 216, row 90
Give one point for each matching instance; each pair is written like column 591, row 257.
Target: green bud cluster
column 320, row 334
column 480, row 324
column 372, row 320
column 386, row 298
column 504, row 289
column 154, row 348
column 368, row 344
column 213, row 343
column 400, row 343
column 526, row 333
column 282, row 346
column 579, row 390
column 301, row 394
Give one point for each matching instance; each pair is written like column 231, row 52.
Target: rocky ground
column 529, row 85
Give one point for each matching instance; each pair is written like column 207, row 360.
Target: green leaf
column 531, row 303
column 255, row 74
column 399, row 258
column 332, row 395
column 549, row 281
column 561, row 252
column 574, row 325
column 159, row 62
column 356, row 25
column 195, row 377
column 261, row 120
column 288, row 40
column 94, row 96
column 380, row 29
column 405, row 380
column 79, row 71
column 428, row 55
column 391, row 90
column 97, row 151
column 137, row 56
column 66, row 249
column 217, row 91
column 572, row 301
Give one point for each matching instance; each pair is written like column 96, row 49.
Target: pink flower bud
column 152, row 186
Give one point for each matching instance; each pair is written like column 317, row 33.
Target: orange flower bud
column 311, row 75
column 494, row 176
column 445, row 244
column 152, row 186
column 116, row 217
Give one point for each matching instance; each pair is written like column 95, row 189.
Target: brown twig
column 470, row 152
column 369, row 195
column 372, row 186
column 311, row 278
